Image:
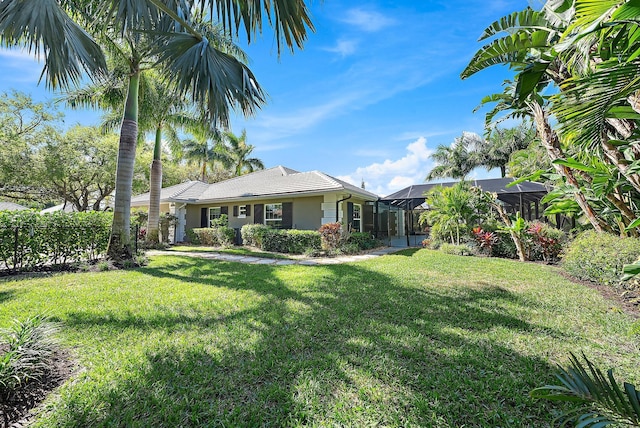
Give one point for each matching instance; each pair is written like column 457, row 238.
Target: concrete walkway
column 307, row 261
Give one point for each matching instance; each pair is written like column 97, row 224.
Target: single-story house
column 280, row 197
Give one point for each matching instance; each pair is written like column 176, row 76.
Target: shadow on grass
column 409, row 252
column 349, row 346
column 6, row 295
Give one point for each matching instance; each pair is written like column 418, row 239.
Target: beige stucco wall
column 307, row 212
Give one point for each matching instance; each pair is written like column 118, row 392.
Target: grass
column 418, row 338
column 240, row 251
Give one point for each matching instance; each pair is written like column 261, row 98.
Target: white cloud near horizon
column 367, row 20
column 389, row 176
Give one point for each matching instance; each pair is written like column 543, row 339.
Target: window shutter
column 235, row 211
column 204, row 217
column 287, row 215
column 349, row 212
column 224, row 210
column 258, row 213
column 248, row 210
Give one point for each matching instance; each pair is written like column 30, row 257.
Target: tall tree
column 501, row 143
column 239, row 153
column 531, row 46
column 458, row 159
column 59, row 31
column 78, row 167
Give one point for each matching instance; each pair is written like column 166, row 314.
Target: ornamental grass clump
column 26, row 353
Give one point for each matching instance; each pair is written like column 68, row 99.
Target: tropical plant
column 239, row 151
column 206, row 150
column 184, row 52
column 540, row 46
column 501, row 143
column 453, row 211
column 458, row 159
column 599, row 400
column 26, row 355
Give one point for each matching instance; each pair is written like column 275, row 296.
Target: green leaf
column 630, row 271
column 622, row 112
column 627, row 11
column 574, row 164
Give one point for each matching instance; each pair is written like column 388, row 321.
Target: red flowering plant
column 485, row 240
column 545, row 240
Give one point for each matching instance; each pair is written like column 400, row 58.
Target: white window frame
column 275, row 222
column 357, row 208
column 213, row 215
column 242, row 211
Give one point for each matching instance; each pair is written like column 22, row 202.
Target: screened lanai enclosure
column 397, row 214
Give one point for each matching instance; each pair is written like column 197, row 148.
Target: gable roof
column 278, row 181
column 189, row 190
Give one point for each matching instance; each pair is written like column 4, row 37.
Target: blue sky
column 374, row 91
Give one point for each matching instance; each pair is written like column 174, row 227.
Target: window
column 242, row 211
column 357, row 218
column 214, row 214
column 273, row 215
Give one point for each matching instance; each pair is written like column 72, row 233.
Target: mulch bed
column 15, row 412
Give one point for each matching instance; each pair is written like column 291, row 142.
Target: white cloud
column 369, row 21
column 343, row 47
column 391, row 175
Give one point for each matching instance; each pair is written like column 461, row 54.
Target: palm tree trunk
column 550, row 141
column 155, row 179
column 120, row 248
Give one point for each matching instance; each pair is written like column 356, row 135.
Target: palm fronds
column 599, row 398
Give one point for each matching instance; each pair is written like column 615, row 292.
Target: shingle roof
column 272, row 182
column 189, row 190
column 276, row 182
column 10, row 206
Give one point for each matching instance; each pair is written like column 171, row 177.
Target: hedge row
column 219, row 236
column 301, row 241
column 29, row 240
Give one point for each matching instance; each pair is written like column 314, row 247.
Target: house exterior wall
column 307, row 212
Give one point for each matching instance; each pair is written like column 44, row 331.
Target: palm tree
column 206, row 149
column 239, row 151
column 183, row 51
column 502, row 143
column 161, row 111
column 458, row 159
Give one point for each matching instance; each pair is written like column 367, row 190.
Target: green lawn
column 418, row 338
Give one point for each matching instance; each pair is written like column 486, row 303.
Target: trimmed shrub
column 290, row 241
column 363, row 240
column 220, row 236
column 29, row 240
column 252, row 234
column 599, row 257
column 456, row 250
column 192, row 237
